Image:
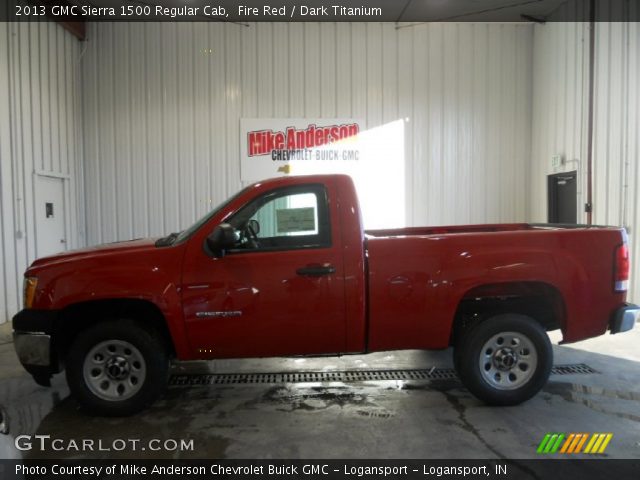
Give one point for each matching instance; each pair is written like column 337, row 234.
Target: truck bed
column 419, row 276
column 481, row 228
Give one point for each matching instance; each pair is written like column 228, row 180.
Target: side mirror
column 254, row 225
column 222, row 238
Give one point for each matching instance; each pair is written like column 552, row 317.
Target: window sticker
column 291, row 220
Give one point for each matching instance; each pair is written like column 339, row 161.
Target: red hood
column 140, row 244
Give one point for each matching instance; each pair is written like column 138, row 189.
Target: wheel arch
column 540, row 301
column 77, row 317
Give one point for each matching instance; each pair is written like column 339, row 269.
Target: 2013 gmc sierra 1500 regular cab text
column 285, row 268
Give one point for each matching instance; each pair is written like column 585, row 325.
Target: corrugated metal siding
column 39, row 131
column 560, row 105
column 616, row 199
column 560, row 116
column 161, row 113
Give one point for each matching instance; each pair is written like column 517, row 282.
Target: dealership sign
column 280, row 146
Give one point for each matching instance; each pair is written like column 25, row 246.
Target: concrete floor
column 390, row 419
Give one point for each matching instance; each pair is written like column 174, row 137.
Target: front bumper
column 33, row 342
column 33, row 348
column 625, row 318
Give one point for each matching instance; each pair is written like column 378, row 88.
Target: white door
column 50, row 213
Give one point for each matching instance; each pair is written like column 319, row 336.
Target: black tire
column 495, row 372
column 140, row 360
column 456, row 357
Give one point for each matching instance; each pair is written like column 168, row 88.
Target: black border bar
column 313, row 469
column 247, row 11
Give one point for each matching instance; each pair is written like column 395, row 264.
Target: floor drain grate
column 572, row 369
column 346, row 376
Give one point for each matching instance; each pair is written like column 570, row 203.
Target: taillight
column 621, row 273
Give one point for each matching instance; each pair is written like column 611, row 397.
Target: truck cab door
column 279, row 290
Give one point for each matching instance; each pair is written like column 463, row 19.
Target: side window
column 287, row 218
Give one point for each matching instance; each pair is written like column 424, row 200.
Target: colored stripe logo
column 574, row 443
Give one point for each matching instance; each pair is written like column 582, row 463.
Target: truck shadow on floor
column 288, row 420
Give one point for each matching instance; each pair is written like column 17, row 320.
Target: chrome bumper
column 33, row 341
column 33, row 348
column 625, row 318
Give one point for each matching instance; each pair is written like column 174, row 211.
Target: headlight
column 29, row 291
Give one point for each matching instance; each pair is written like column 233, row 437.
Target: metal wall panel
column 561, row 66
column 560, row 106
column 39, row 133
column 162, row 104
column 616, row 186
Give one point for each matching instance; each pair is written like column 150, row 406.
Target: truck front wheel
column 117, row 368
column 505, row 359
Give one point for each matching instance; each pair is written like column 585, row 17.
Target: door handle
column 316, row 270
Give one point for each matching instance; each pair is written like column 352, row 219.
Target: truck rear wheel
column 504, row 360
column 117, row 368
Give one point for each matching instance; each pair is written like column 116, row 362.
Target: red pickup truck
column 285, row 268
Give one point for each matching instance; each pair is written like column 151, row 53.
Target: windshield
column 179, row 237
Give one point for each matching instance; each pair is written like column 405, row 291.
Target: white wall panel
column 561, row 75
column 560, row 107
column 463, row 90
column 39, row 132
column 616, row 199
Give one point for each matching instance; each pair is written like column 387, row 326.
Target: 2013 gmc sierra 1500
column 285, row 268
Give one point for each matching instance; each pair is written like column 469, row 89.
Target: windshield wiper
column 168, row 240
